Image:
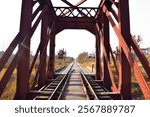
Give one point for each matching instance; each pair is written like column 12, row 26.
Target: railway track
column 52, row 91
column 65, row 86
column 95, row 89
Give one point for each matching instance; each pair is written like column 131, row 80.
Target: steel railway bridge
column 97, row 20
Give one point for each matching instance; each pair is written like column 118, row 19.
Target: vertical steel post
column 23, row 65
column 107, row 81
column 51, row 63
column 43, row 54
column 98, row 59
column 125, row 68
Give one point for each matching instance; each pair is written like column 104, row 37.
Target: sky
column 73, row 41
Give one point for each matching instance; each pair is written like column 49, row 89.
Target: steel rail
column 60, row 85
column 84, row 78
column 89, row 86
column 55, row 84
column 97, row 95
column 64, row 87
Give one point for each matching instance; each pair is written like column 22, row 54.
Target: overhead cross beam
column 74, row 7
column 80, row 2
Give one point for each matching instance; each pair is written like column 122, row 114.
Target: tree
column 82, row 57
column 138, row 39
column 62, row 55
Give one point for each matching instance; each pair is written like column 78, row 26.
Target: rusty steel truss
column 96, row 20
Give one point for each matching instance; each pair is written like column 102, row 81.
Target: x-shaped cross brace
column 75, row 7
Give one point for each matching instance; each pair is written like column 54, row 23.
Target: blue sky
column 74, row 41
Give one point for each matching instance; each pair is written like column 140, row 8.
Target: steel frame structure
column 95, row 20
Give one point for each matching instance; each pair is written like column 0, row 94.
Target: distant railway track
column 55, row 90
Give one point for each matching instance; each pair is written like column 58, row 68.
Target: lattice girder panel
column 89, row 12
